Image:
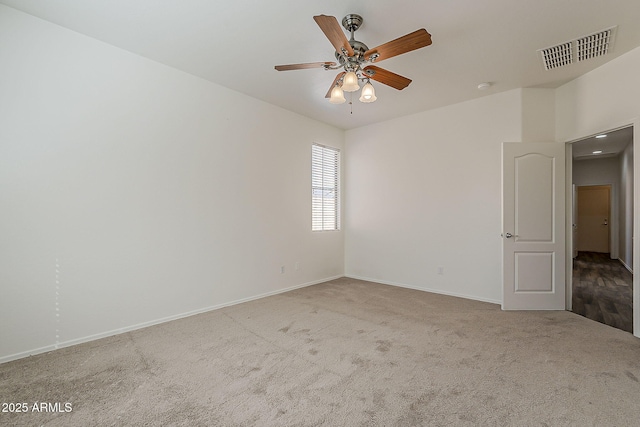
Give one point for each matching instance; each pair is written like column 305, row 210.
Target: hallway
column 603, row 290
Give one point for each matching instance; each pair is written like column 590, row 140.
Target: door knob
column 508, row 235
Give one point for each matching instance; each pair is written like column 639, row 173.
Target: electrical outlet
column 440, row 270
column 282, row 269
column 297, row 266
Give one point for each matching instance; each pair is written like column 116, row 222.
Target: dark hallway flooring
column 603, row 290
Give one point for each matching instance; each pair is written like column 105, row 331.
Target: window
column 325, row 170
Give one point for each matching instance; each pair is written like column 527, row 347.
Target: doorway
column 602, row 243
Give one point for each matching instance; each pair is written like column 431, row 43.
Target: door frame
column 635, row 122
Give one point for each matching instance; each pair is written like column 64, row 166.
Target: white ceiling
column 611, row 145
column 237, row 43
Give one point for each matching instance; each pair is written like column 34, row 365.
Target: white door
column 533, row 226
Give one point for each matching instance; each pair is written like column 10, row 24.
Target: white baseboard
column 98, row 336
column 626, row 266
column 434, row 291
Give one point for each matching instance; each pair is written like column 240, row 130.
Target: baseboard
column 434, row 291
column 142, row 325
column 626, row 266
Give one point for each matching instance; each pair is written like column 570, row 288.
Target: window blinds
column 325, row 171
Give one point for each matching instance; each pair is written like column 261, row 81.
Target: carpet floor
column 341, row 353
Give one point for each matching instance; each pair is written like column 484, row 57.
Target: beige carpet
column 342, row 353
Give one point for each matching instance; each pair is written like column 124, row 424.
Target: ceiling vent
column 580, row 49
column 557, row 56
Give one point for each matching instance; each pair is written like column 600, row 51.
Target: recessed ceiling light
column 604, row 135
column 597, row 152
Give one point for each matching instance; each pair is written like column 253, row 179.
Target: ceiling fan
column 355, row 58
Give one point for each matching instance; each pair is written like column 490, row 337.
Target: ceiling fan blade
column 304, row 66
column 388, row 78
column 338, row 77
column 331, row 28
column 412, row 41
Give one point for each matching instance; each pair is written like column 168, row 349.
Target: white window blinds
column 325, row 171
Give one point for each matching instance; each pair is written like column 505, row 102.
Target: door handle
column 508, row 235
column 606, row 222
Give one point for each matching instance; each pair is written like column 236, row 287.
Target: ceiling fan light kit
column 368, row 93
column 354, row 58
column 350, row 83
column 337, row 95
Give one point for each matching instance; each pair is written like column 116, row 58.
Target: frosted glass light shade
column 337, row 95
column 368, row 93
column 350, row 82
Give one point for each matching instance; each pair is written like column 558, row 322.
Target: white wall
column 606, row 98
column 424, row 193
column 538, row 115
column 132, row 193
column 596, row 171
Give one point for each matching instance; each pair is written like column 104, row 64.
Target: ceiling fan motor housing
column 351, row 23
column 359, row 49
